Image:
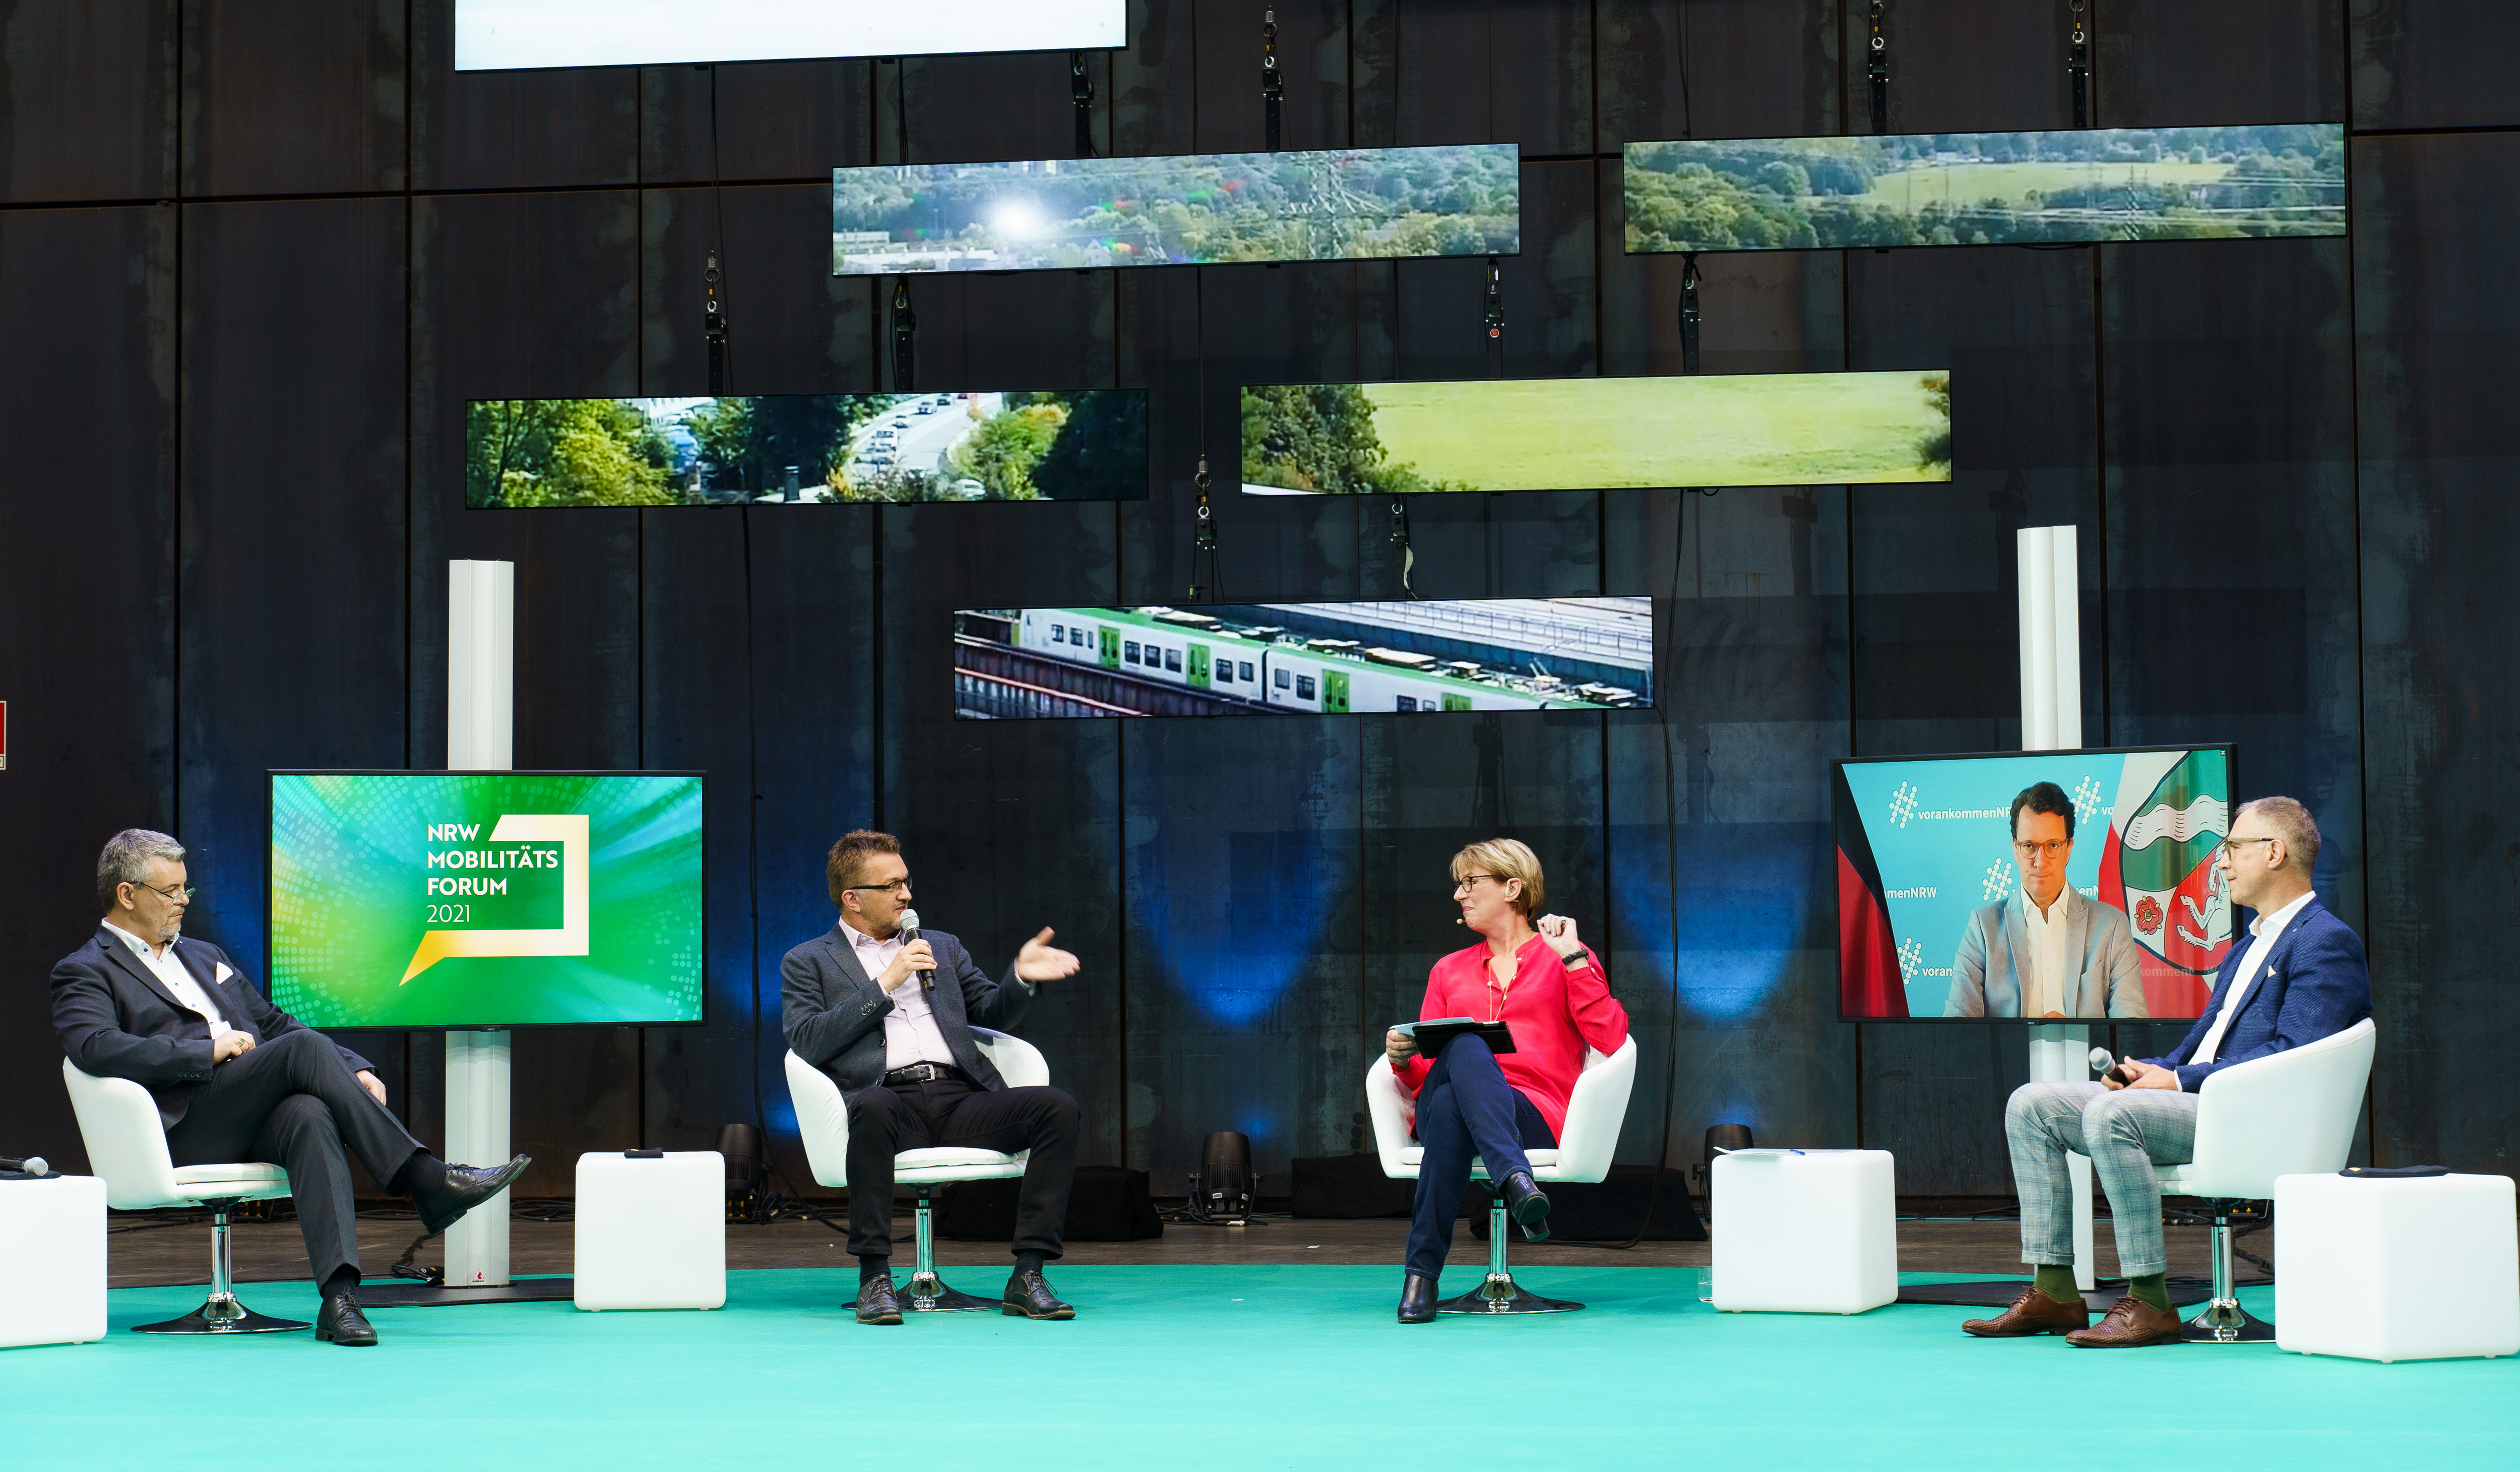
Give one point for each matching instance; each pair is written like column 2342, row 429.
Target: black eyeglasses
column 180, row 894
column 902, row 883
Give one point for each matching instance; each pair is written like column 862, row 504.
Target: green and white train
column 1266, row 665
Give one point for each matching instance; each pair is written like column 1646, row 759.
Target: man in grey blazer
column 888, row 1015
column 2045, row 951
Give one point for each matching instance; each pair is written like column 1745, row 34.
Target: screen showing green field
column 801, row 449
column 483, row 899
column 1350, row 203
column 1986, row 189
column 1597, row 433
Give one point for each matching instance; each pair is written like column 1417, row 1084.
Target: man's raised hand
column 1041, row 961
column 914, row 958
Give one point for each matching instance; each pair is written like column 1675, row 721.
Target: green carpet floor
column 1236, row 1367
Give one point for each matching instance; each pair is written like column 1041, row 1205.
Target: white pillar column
column 2051, row 721
column 480, row 736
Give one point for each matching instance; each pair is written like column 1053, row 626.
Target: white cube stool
column 1804, row 1232
column 2405, row 1267
column 52, row 1260
column 651, row 1231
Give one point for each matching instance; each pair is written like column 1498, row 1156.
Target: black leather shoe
column 341, row 1322
column 464, row 1188
column 1526, row 1204
column 1028, row 1297
column 877, row 1303
column 1418, row 1300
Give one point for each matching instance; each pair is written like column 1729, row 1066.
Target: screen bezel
column 1838, row 959
column 808, row 56
column 271, row 773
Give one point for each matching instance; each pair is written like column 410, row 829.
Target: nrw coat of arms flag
column 2158, row 866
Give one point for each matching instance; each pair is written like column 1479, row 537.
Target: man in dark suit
column 854, row 1004
column 236, row 1079
column 2301, row 977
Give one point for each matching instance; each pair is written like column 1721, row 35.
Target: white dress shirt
column 2042, row 980
column 910, row 1032
column 2267, row 929
column 171, row 975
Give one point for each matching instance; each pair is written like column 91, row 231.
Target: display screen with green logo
column 481, row 900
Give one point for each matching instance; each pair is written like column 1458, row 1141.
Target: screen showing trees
column 1081, row 444
column 1592, row 434
column 1420, row 657
column 1193, row 209
column 1986, row 189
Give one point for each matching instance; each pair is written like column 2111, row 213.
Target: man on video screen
column 2045, row 951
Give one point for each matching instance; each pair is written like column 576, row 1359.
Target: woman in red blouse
column 1547, row 990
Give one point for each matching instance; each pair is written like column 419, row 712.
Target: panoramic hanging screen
column 1082, row 444
column 486, row 899
column 1986, row 189
column 1365, row 203
column 492, row 35
column 1935, row 873
column 1305, row 658
column 1591, row 434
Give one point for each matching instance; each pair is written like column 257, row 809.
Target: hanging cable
column 1493, row 319
column 1880, row 70
column 1202, row 549
column 1689, row 312
column 905, row 335
column 1400, row 539
column 1080, row 91
column 2077, row 62
column 713, row 274
column 1273, row 87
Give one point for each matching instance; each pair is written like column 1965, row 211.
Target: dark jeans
column 1466, row 1109
column 886, row 1121
column 293, row 1102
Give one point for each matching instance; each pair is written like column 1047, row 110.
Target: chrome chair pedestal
column 1500, row 1294
column 927, row 1293
column 220, row 1313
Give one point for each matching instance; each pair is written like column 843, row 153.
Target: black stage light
column 1719, row 1139
column 746, row 1173
column 1224, row 1191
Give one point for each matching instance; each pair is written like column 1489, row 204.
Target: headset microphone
column 910, row 933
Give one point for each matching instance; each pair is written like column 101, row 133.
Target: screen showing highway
column 1062, row 444
column 494, row 35
column 1424, row 657
column 1356, row 203
column 1597, row 433
column 1986, row 189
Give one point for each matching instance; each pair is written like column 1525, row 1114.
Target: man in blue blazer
column 236, row 1079
column 2300, row 977
column 887, row 1014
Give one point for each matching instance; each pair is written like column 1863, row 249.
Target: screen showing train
column 1986, row 189
column 1305, row 658
column 801, row 449
column 1597, row 433
column 494, row 35
column 486, row 899
column 2043, row 884
column 1350, row 203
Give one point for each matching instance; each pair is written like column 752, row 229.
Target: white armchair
column 2289, row 1113
column 126, row 1145
column 1594, row 1113
column 823, row 1123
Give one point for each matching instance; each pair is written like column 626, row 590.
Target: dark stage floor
column 271, row 1251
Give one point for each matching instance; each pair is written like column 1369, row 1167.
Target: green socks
column 2153, row 1288
column 2056, row 1284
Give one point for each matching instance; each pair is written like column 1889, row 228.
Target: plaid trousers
column 2126, row 1133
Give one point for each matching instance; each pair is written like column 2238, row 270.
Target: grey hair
column 125, row 860
column 2292, row 823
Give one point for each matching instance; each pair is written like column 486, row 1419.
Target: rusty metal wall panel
column 515, row 129
column 295, row 99
column 88, row 105
column 1972, row 65
column 1716, row 69
column 2436, row 317
column 773, row 119
column 2160, row 64
column 90, row 527
column 792, row 327
column 2432, row 64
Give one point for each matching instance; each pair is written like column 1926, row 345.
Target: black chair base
column 222, row 1314
column 927, row 1293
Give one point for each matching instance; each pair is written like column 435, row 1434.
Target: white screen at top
column 494, row 35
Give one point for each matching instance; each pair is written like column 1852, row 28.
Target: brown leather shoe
column 2033, row 1313
column 2130, row 1324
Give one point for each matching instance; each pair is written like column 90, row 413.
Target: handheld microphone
column 33, row 1164
column 910, row 933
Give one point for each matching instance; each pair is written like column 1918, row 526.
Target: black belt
column 923, row 1073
